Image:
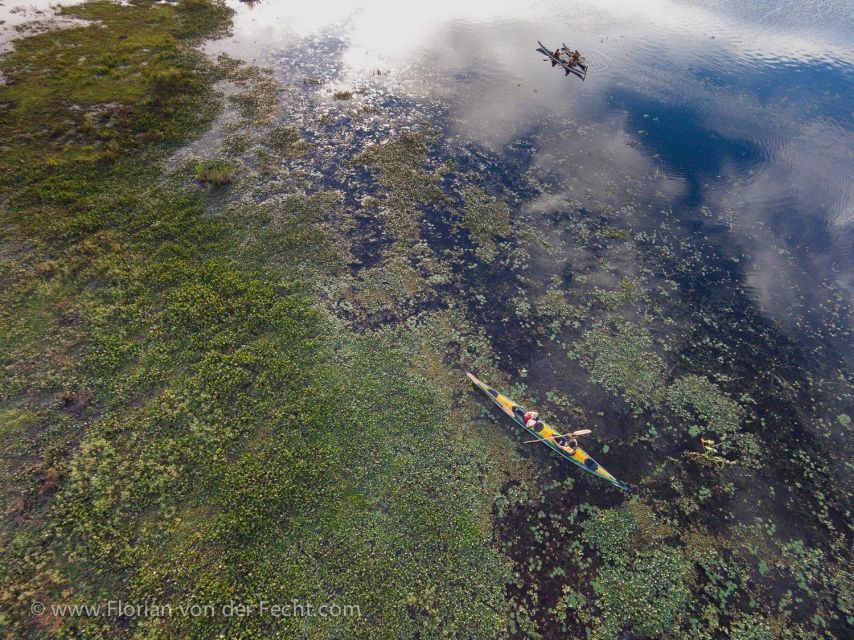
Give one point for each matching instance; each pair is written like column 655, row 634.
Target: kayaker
column 532, row 418
column 566, row 443
column 556, row 55
column 575, row 58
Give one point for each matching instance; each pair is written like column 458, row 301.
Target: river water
column 738, row 113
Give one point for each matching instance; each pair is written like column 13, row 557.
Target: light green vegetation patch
column 750, row 628
column 286, row 142
column 628, row 292
column 258, row 100
column 409, row 270
column 555, row 306
column 215, row 172
column 400, row 164
column 296, row 235
column 106, row 87
column 648, row 594
column 486, row 219
column 612, row 233
column 619, row 356
column 643, row 584
column 692, row 397
column 396, row 286
column 719, row 412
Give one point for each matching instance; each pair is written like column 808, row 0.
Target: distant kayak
column 578, row 69
column 547, row 435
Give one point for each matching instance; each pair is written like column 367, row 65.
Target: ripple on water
column 597, row 60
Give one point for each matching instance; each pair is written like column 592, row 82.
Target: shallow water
column 741, row 112
column 20, row 18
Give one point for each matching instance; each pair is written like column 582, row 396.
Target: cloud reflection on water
column 764, row 95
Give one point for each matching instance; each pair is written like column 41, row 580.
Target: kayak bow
column 546, row 434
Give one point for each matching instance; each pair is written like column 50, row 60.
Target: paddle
column 582, row 432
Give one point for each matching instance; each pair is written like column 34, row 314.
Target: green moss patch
column 486, row 219
column 286, row 142
column 619, row 356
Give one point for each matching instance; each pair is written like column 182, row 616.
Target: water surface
column 739, row 111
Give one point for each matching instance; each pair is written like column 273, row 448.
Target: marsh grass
column 180, row 421
column 216, row 172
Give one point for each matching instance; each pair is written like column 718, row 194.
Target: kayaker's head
column 535, row 415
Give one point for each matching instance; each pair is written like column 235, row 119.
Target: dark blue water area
column 684, row 144
column 812, row 89
column 679, row 135
column 817, row 88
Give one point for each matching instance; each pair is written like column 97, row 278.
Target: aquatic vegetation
column 643, row 585
column 258, row 102
column 750, row 628
column 286, row 141
column 619, row 356
column 613, row 299
column 721, row 414
column 554, row 304
column 709, row 455
column 648, row 594
column 342, row 95
column 216, row 172
column 392, row 290
column 486, row 218
column 400, row 163
column 613, row 233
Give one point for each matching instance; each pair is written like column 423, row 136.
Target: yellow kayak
column 546, row 435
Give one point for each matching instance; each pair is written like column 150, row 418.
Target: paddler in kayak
column 557, row 57
column 570, row 444
column 532, row 420
column 575, row 57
